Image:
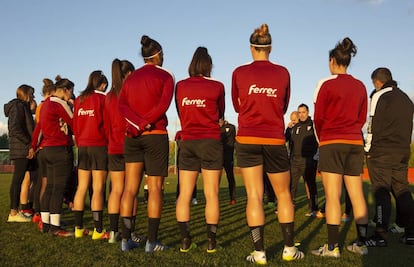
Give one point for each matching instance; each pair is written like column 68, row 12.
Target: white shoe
column 258, row 257
column 325, row 252
column 292, row 253
column 194, row 201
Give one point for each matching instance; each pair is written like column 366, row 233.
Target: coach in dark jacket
column 20, row 126
column 303, row 146
column 388, row 151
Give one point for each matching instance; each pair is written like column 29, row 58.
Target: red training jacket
column 260, row 93
column 340, row 109
column 88, row 125
column 200, row 104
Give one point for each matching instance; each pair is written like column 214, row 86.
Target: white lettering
column 88, row 112
column 193, row 102
column 262, row 90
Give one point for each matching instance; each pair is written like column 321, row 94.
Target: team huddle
column 123, row 133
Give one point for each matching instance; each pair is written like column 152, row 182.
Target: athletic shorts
column 345, row 159
column 152, row 150
column 93, row 158
column 274, row 158
column 201, row 154
column 116, row 162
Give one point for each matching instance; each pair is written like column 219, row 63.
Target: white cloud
column 3, row 128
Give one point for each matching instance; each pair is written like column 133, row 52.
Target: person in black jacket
column 20, row 126
column 388, row 151
column 228, row 138
column 303, row 147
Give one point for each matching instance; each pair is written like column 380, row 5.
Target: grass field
column 23, row 245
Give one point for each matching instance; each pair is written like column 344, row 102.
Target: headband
column 153, row 55
column 261, row 46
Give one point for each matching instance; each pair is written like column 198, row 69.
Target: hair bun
column 145, row 40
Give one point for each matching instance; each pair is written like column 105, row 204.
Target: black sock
column 153, row 225
column 212, row 231
column 333, row 236
column 97, row 219
column 114, row 221
column 184, row 229
column 362, row 230
column 78, row 218
column 133, row 219
column 287, row 232
column 126, row 228
column 25, row 206
column 256, row 234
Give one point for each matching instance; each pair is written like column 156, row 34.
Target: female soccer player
column 91, row 141
column 145, row 97
column 200, row 104
column 260, row 94
column 340, row 113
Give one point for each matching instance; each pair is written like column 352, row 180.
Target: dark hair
column 63, row 83
column 120, row 69
column 149, row 47
column 303, row 106
column 343, row 52
column 48, row 87
column 96, row 79
column 201, row 64
column 261, row 37
column 382, row 74
column 23, row 92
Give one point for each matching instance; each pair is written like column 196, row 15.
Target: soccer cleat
column 194, row 201
column 187, row 245
column 138, row 238
column 395, row 229
column 325, row 252
column 376, row 241
column 320, row 215
column 40, row 226
column 292, row 253
column 19, row 217
column 346, row 218
column 60, row 233
column 151, row 247
column 407, row 240
column 27, row 212
column 355, row 248
column 114, row 237
column 311, row 214
column 36, row 218
column 98, row 236
column 211, row 245
column 81, row 232
column 127, row 245
column 258, row 257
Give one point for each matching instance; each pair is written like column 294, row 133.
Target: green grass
column 23, row 245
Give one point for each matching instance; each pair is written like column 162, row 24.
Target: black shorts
column 345, row 159
column 93, row 158
column 152, row 150
column 201, row 154
column 274, row 158
column 116, row 162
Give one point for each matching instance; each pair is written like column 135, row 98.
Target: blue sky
column 40, row 39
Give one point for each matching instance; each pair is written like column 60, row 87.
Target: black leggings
column 20, row 168
column 59, row 162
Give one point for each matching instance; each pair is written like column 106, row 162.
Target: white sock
column 45, row 216
column 55, row 219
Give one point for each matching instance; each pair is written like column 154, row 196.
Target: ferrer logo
column 88, row 112
column 193, row 102
column 262, row 90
